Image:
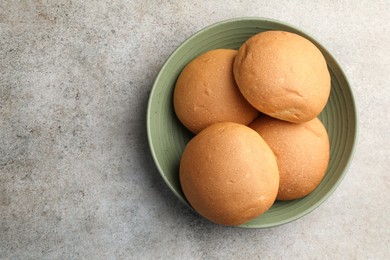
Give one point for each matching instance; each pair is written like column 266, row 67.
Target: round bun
column 206, row 92
column 283, row 75
column 301, row 150
column 229, row 174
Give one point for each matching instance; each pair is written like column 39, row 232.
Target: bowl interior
column 167, row 137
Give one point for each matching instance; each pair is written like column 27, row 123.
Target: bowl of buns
column 251, row 123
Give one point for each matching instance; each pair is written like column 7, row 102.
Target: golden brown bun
column 283, row 75
column 207, row 93
column 301, row 150
column 229, row 174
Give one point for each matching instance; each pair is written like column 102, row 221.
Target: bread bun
column 283, row 75
column 206, row 92
column 301, row 150
column 229, row 174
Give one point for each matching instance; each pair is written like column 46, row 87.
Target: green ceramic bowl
column 167, row 137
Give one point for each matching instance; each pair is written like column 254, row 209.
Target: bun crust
column 206, row 92
column 302, row 152
column 229, row 174
column 283, row 75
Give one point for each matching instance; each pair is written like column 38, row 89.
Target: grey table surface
column 76, row 176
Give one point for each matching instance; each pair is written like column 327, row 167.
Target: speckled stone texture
column 77, row 180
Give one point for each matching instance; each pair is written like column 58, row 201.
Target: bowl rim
column 323, row 49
